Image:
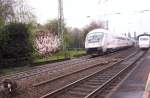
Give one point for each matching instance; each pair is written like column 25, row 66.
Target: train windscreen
column 144, row 39
column 95, row 37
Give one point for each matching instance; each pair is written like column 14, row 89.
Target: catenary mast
column 61, row 23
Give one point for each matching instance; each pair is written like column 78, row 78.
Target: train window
column 95, row 37
column 143, row 38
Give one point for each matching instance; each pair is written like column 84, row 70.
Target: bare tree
column 15, row 11
column 23, row 13
column 91, row 26
column 6, row 10
column 76, row 36
column 52, row 26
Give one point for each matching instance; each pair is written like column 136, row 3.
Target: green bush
column 15, row 45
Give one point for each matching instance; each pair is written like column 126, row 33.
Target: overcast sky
column 130, row 18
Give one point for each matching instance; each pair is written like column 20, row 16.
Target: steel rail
column 100, row 88
column 58, row 91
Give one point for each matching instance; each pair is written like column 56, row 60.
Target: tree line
column 16, row 45
column 73, row 37
column 21, row 37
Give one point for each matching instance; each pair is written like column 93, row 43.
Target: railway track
column 53, row 82
column 78, row 71
column 94, row 65
column 44, row 68
column 90, row 85
column 49, row 68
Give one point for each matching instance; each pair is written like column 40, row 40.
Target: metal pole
column 61, row 26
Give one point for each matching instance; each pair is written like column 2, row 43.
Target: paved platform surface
column 137, row 85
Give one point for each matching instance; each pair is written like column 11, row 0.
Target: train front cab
column 94, row 42
column 144, row 41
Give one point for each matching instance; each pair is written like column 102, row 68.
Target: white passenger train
column 144, row 41
column 101, row 41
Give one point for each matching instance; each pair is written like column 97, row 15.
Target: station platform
column 137, row 84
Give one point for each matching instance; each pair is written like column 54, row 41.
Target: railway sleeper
column 93, row 80
column 108, row 76
column 79, row 89
column 77, row 94
column 88, row 86
column 101, row 79
column 66, row 96
column 94, row 83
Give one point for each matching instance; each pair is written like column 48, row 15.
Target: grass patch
column 12, row 70
column 39, row 61
column 61, row 55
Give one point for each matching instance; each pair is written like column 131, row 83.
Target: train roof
column 143, row 35
column 98, row 30
column 105, row 31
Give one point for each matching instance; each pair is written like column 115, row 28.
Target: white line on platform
column 147, row 88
